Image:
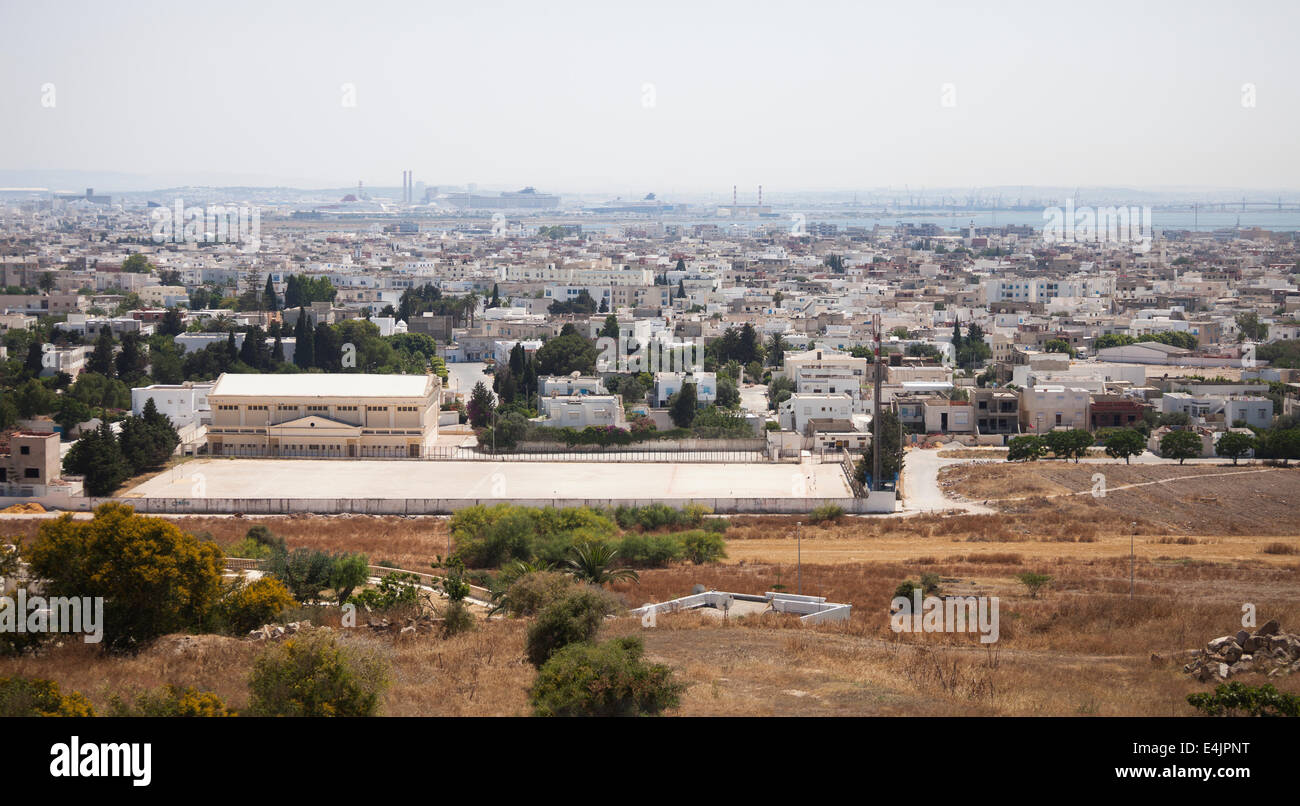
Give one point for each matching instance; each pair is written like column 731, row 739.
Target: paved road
column 921, row 491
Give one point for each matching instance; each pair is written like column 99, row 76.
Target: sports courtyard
column 352, row 478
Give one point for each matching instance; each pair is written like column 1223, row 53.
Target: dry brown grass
column 1082, row 647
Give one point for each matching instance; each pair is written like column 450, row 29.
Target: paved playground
column 315, row 478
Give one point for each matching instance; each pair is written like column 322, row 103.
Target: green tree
column 480, row 406
column 1124, row 443
column 269, row 297
column 100, row 360
column 1180, row 445
column 682, row 406
column 98, row 459
column 154, row 578
column 1027, row 448
column 347, row 572
column 566, row 354
column 1235, row 445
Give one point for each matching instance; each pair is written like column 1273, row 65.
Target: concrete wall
column 878, row 502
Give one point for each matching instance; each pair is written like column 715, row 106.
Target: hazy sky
column 792, row 95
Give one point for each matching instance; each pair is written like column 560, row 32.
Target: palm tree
column 591, row 563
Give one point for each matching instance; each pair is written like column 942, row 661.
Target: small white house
column 668, row 384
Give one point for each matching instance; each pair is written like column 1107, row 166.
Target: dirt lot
column 1166, row 498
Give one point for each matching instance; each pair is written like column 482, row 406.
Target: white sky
column 792, row 95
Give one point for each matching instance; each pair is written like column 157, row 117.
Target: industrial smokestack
column 760, row 195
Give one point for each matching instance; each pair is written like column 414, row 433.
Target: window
column 31, row 473
column 25, row 450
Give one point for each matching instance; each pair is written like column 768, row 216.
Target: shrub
column 533, row 591
column 171, row 701
column 608, row 679
column 456, row 619
column 313, row 676
column 395, row 590
column 572, row 619
column 249, row 605
column 1034, row 583
column 258, row 544
column 1231, row 699
column 154, row 578
column 36, row 697
column 650, row 551
column 905, row 588
column 826, row 513
column 306, row 572
column 1281, row 548
column 702, row 547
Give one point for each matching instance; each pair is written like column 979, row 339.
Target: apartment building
column 30, row 464
column 338, row 415
column 1043, row 408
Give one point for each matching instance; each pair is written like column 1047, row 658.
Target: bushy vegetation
column 308, row 573
column 311, row 675
column 495, row 536
column 574, row 618
column 395, row 590
column 1236, row 698
column 36, row 697
column 171, row 701
column 154, row 578
column 608, row 679
column 826, row 513
column 248, row 605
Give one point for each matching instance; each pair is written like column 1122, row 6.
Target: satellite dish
column 575, row 374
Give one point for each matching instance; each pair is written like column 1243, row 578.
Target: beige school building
column 342, row 415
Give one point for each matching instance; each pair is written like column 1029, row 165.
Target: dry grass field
column 1206, row 544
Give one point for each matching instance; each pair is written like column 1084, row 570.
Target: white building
column 184, row 404
column 797, row 410
column 668, row 384
column 580, row 411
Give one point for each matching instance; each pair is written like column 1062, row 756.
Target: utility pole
column 876, row 432
column 798, row 541
column 1132, row 557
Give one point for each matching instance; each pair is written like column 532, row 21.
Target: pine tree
column 304, row 352
column 480, row 406
column 268, row 295
column 101, row 358
column 682, row 406
column 277, row 351
column 98, row 459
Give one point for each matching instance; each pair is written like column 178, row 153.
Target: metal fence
column 450, row 453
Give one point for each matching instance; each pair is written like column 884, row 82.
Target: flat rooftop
column 319, row 384
column 356, row 478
